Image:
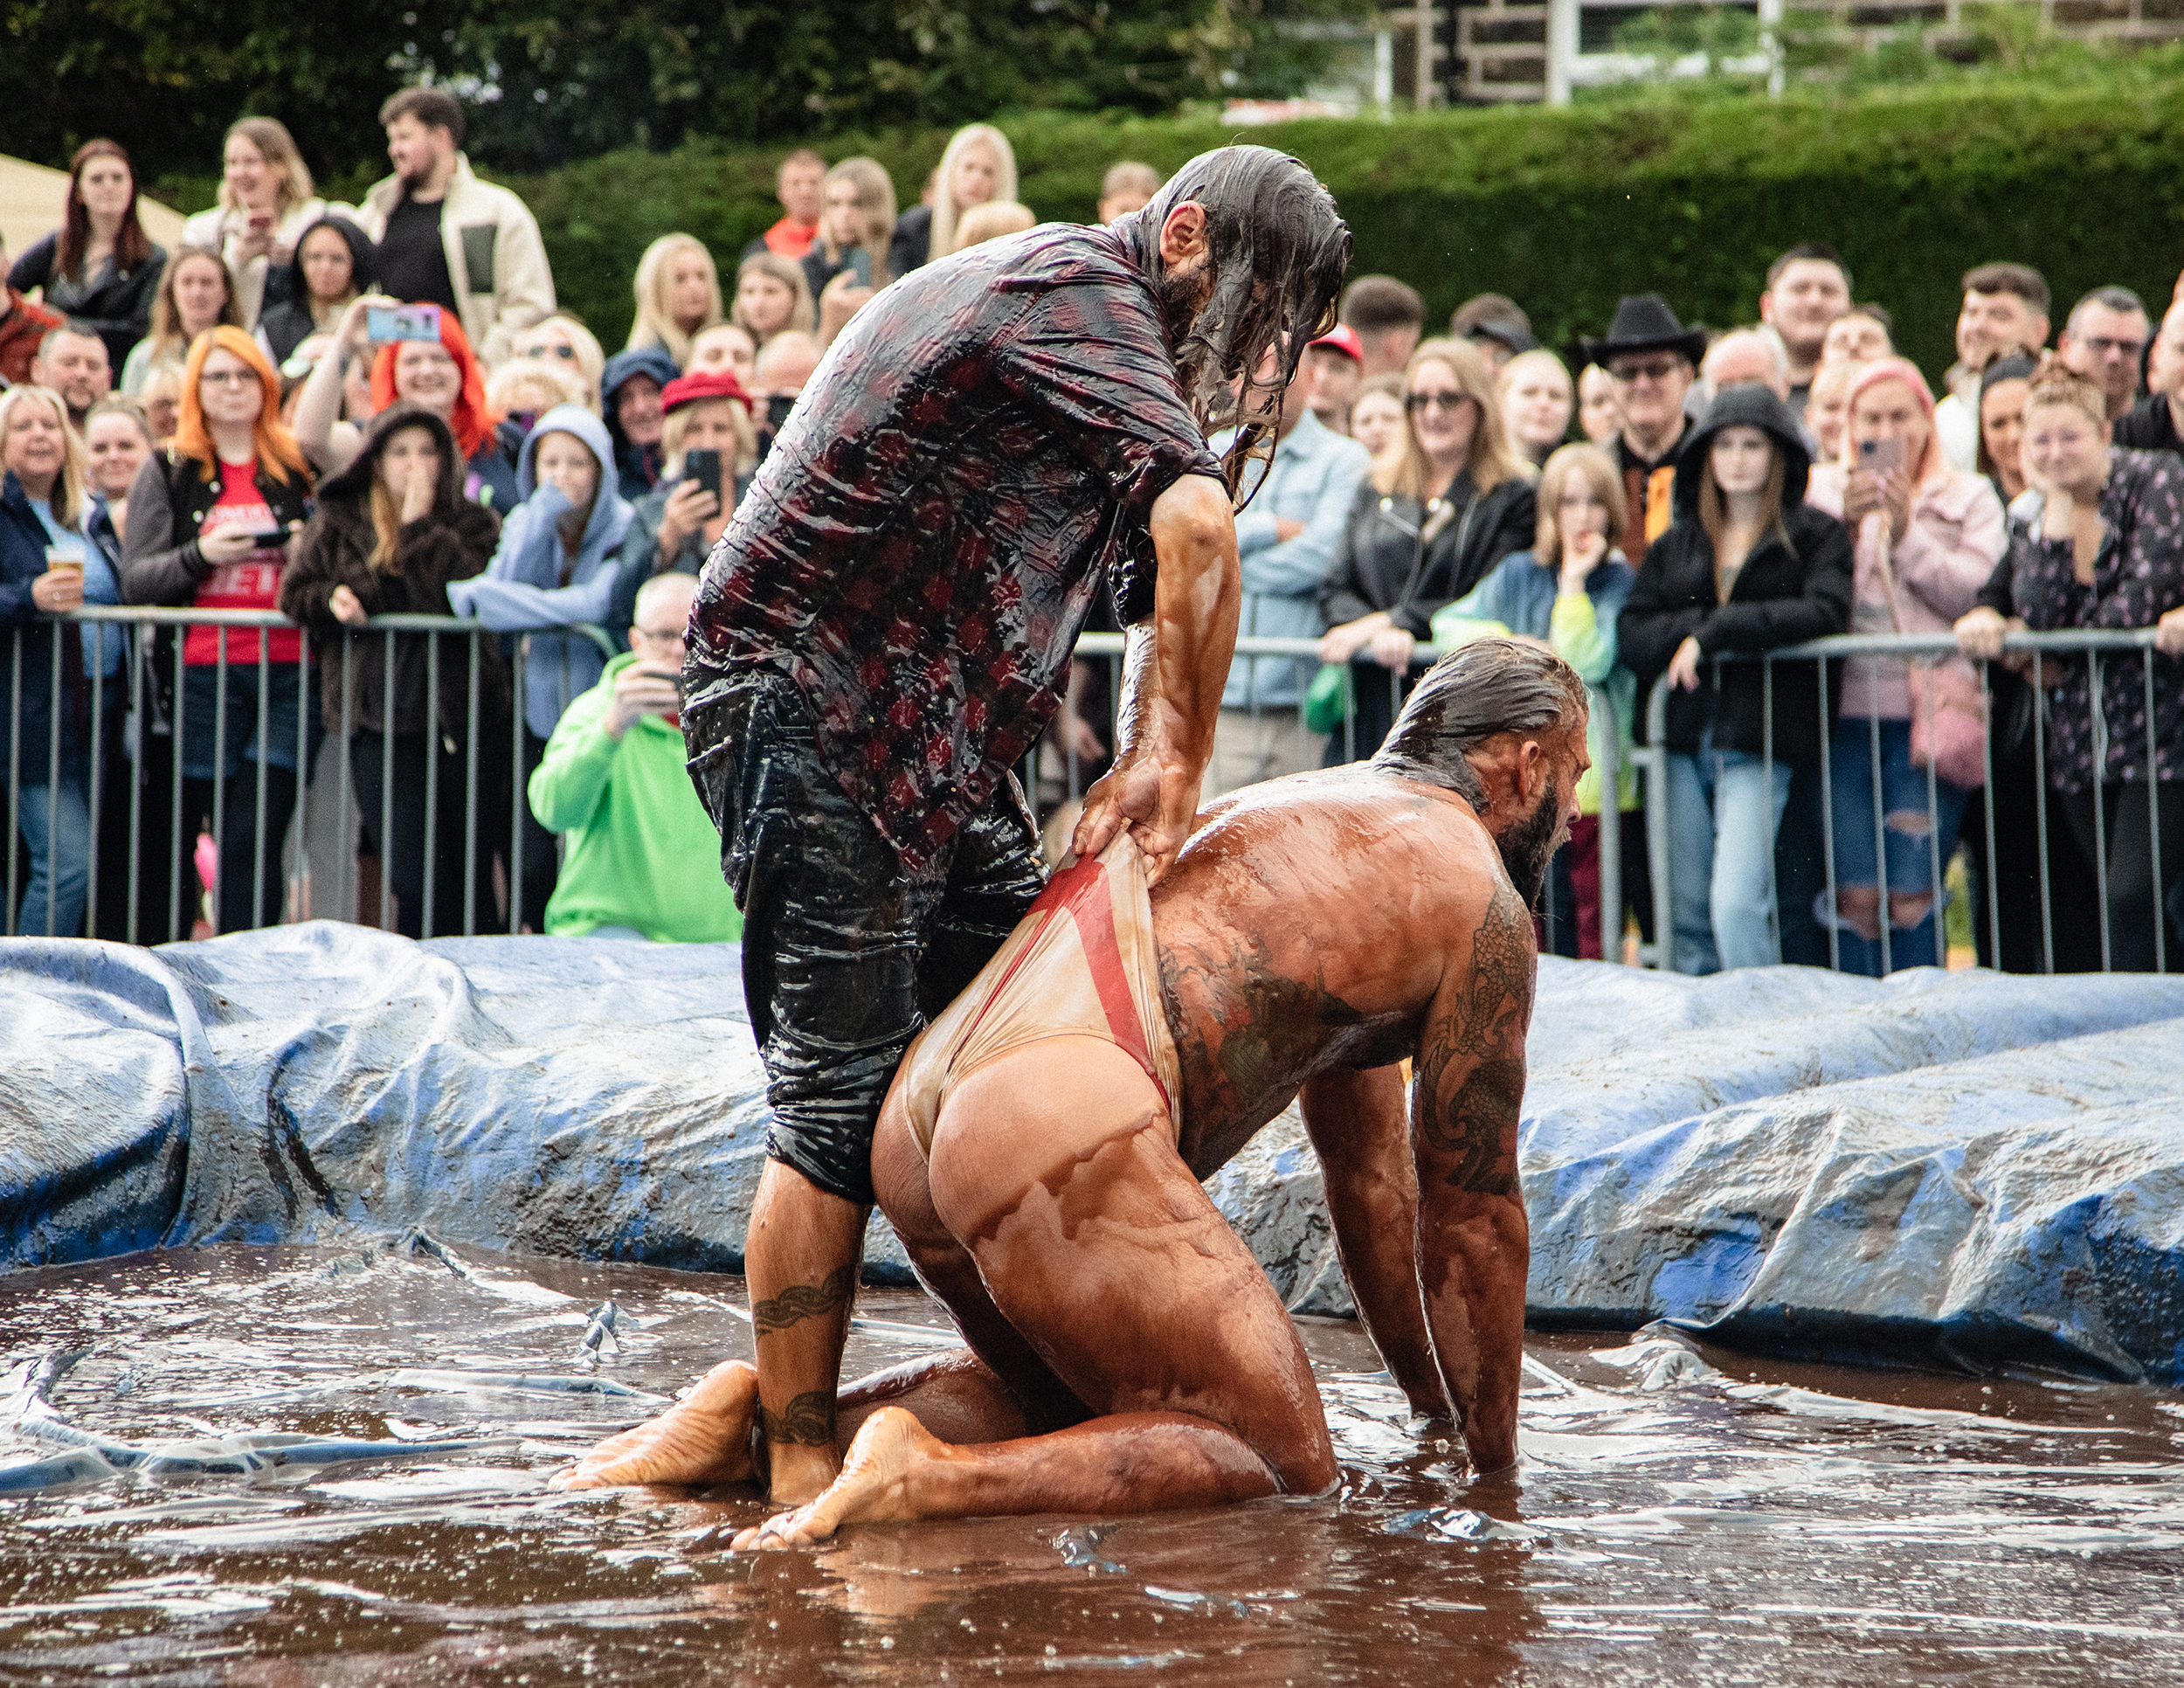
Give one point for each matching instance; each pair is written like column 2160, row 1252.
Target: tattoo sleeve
column 1481, row 1044
column 808, row 1423
column 802, row 1301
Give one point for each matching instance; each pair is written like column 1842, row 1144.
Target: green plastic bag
column 1329, row 701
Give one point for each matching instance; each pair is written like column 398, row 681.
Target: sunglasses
column 1658, row 370
column 1436, row 401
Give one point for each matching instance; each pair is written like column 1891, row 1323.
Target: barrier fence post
column 1880, row 821
column 1939, row 899
column 178, row 858
column 15, row 773
column 52, row 786
column 137, row 638
column 386, row 785
column 2040, row 808
column 2100, row 799
column 265, row 744
column 303, row 778
column 2153, row 825
column 470, row 804
column 346, row 891
column 431, row 772
column 1610, row 846
column 1986, row 792
column 1657, row 851
column 520, row 804
column 1766, row 776
column 218, row 887
column 95, row 807
column 1827, row 826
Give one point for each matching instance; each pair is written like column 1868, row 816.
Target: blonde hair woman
column 1447, row 503
column 992, row 221
column 560, row 338
column 677, row 294
column 1568, row 592
column 44, row 547
column 773, row 297
column 197, row 292
column 859, row 216
column 978, row 166
column 267, row 202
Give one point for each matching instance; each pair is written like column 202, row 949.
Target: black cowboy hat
column 1644, row 322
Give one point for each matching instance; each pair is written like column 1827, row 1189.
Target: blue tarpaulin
column 1964, row 1167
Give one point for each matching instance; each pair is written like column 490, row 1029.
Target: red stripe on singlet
column 1083, row 891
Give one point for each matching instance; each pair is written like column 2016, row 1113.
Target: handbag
column 1948, row 711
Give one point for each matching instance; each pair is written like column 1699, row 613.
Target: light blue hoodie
column 522, row 588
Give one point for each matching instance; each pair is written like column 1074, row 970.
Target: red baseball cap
column 1342, row 338
column 707, row 383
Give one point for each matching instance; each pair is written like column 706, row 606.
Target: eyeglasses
column 1436, row 401
column 229, row 378
column 1629, row 375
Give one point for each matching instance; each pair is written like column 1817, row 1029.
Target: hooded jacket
column 638, row 467
column 533, row 582
column 288, row 322
column 452, row 541
column 495, row 260
column 1794, row 585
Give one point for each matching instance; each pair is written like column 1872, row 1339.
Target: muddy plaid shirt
column 920, row 549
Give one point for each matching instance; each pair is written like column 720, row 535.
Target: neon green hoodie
column 641, row 851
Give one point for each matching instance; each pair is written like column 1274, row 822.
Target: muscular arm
column 1473, row 1244
column 1355, row 1120
column 1174, row 669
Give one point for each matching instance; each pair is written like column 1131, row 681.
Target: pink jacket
column 1955, row 537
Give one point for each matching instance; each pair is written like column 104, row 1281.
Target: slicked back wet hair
column 1488, row 687
column 1278, row 250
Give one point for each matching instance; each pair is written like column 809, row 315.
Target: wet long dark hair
column 1487, row 687
column 1278, row 251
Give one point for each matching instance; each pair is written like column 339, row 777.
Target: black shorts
column 845, row 955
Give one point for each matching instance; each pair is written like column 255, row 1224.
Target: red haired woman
column 203, row 519
column 441, row 375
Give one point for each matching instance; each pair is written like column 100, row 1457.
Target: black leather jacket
column 1384, row 564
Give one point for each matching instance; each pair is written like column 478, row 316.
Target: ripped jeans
column 1907, row 824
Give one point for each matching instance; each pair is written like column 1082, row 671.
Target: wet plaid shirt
column 919, row 551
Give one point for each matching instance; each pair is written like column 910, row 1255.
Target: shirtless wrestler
column 1125, row 1351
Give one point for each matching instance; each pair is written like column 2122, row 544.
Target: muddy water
column 1753, row 1523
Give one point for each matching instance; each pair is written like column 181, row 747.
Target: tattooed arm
column 1473, row 1244
column 1355, row 1120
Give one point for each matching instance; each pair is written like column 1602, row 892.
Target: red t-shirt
column 789, row 238
column 252, row 582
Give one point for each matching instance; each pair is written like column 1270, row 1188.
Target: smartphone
column 1881, row 456
column 702, row 465
column 860, row 266
column 388, row 324
column 271, row 536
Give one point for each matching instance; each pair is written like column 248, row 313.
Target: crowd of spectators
column 344, row 412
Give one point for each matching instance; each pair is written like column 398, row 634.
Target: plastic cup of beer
column 60, row 561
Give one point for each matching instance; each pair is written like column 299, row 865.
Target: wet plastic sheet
column 1957, row 1167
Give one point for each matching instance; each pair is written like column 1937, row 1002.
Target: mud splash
column 296, row 1465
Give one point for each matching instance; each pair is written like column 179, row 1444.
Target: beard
column 1529, row 846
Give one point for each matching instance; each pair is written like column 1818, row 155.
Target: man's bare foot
column 873, row 1487
column 703, row 1438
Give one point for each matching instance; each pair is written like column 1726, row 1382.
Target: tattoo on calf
column 1485, row 1033
column 802, row 1301
column 808, row 1423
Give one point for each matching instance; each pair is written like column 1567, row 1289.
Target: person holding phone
column 267, row 202
column 1928, row 537
column 711, row 450
column 849, row 263
column 211, row 523
column 420, row 354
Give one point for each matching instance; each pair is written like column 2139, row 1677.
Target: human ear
column 1183, row 236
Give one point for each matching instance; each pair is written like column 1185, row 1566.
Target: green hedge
column 1564, row 210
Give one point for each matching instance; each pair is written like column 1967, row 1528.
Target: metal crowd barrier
column 144, row 628
column 142, row 625
column 2090, row 643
